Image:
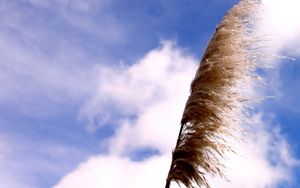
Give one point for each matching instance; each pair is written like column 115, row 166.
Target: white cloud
column 155, row 82
column 281, row 23
column 250, row 168
column 167, row 71
column 101, row 171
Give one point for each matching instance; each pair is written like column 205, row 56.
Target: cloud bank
column 155, row 90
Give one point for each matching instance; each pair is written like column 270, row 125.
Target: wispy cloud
column 39, row 66
column 280, row 25
column 45, row 75
column 91, row 17
column 30, row 163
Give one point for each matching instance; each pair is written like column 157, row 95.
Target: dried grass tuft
column 216, row 105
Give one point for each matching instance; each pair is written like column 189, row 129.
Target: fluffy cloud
column 101, row 171
column 250, row 168
column 155, row 90
column 280, row 22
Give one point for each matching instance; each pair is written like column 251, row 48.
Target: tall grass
column 218, row 99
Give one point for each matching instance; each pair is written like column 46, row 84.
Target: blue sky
column 92, row 92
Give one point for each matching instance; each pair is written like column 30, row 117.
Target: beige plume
column 217, row 103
